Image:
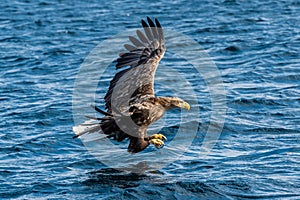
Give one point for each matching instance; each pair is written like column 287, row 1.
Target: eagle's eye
column 158, row 51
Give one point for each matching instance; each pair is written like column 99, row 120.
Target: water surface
column 256, row 48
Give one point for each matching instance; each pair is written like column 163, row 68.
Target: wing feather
column 129, row 47
column 160, row 32
column 147, row 30
column 136, row 81
column 153, row 28
column 142, row 37
column 136, row 42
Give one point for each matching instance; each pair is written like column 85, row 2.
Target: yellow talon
column 157, row 143
column 158, row 136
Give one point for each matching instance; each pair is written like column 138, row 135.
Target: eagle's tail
column 106, row 125
column 86, row 127
column 92, row 125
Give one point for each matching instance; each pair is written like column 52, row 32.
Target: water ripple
column 255, row 45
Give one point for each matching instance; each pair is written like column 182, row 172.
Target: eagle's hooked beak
column 185, row 105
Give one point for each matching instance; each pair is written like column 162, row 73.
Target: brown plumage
column 130, row 101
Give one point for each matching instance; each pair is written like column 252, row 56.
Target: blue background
column 255, row 45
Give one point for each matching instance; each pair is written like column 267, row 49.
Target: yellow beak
column 185, row 105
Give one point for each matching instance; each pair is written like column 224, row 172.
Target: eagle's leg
column 157, row 140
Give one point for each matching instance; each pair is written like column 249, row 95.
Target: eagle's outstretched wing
column 135, row 82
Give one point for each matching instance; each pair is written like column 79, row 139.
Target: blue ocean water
column 255, row 44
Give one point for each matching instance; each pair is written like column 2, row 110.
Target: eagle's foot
column 158, row 136
column 157, row 143
column 157, row 140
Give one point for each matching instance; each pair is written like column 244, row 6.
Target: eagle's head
column 174, row 102
column 179, row 103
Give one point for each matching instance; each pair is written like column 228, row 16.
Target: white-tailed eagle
column 130, row 100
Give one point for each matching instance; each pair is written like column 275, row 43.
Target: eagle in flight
column 131, row 105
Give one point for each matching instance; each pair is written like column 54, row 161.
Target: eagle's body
column 130, row 100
